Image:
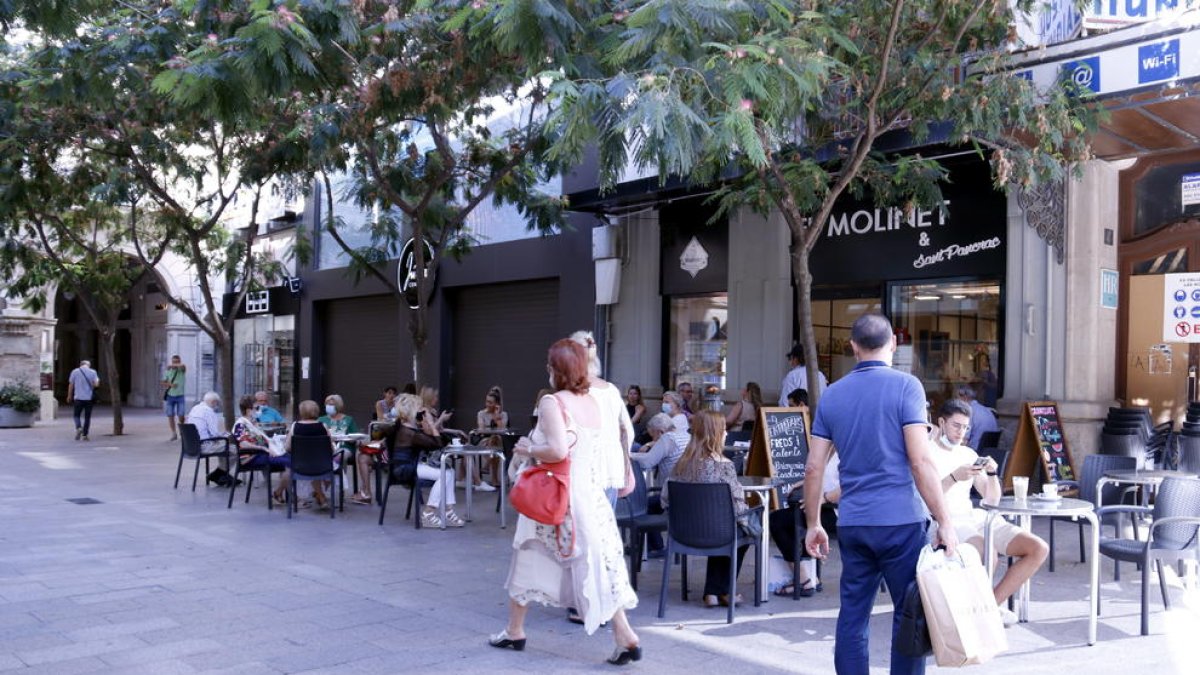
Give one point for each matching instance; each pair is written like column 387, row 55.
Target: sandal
column 306, row 504
column 278, row 499
column 361, row 499
column 431, row 519
column 453, row 519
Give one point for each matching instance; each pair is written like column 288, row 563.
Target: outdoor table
column 354, row 439
column 1149, row 478
column 1025, row 510
column 470, row 453
column 762, row 486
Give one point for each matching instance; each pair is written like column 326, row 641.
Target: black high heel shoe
column 621, row 657
column 502, row 641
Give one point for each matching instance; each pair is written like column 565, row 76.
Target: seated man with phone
column 960, row 468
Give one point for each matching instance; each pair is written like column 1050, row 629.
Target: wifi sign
column 1158, row 61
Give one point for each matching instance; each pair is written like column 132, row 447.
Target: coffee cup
column 456, row 442
column 1050, row 490
column 1020, row 487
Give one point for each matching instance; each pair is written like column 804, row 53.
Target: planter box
column 11, row 418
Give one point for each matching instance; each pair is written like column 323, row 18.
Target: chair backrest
column 700, row 514
column 1189, row 453
column 636, row 503
column 189, row 436
column 311, row 455
column 1094, row 468
column 732, row 437
column 1123, row 445
column 1177, row 497
column 989, row 440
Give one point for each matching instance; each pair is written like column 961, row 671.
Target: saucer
column 1043, row 498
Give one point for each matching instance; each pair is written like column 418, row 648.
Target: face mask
column 330, row 410
column 666, row 408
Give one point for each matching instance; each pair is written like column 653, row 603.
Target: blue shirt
column 982, row 421
column 85, row 380
column 269, row 415
column 864, row 415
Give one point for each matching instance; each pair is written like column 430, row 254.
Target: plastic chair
column 1172, row 536
column 701, row 521
column 252, row 461
column 634, row 517
column 798, row 536
column 1189, row 453
column 312, row 460
column 1094, row 468
column 191, row 446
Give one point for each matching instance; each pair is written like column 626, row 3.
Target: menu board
column 779, row 447
column 1041, row 441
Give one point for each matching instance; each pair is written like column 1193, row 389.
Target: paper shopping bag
column 964, row 621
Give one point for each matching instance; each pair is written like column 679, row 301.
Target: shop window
column 949, row 334
column 1170, row 262
column 699, row 341
column 832, row 320
column 264, row 358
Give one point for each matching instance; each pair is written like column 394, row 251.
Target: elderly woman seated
column 405, row 443
column 250, row 436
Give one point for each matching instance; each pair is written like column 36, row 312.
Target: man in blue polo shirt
column 875, row 416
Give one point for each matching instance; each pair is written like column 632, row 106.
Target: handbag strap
column 562, row 408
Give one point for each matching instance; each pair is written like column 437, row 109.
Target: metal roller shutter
column 500, row 336
column 361, row 355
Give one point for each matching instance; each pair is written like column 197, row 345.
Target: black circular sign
column 406, row 272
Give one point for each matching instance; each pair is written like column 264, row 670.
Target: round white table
column 470, row 453
column 1027, row 509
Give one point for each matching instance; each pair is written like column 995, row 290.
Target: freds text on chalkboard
column 779, row 448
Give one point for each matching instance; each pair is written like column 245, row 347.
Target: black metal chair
column 634, row 517
column 801, row 531
column 1094, row 468
column 402, row 470
column 252, row 461
column 989, row 440
column 312, row 460
column 701, row 521
column 191, row 446
column 1172, row 536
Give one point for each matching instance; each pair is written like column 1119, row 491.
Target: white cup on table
column 1050, row 490
column 1020, row 487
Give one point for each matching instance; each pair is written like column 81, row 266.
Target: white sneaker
column 485, row 487
column 1008, row 616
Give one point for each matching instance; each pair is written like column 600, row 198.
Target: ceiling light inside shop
column 927, row 297
column 958, row 296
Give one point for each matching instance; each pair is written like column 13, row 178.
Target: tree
column 100, row 98
column 401, row 100
column 781, row 104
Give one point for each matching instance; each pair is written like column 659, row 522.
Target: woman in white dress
column 583, row 565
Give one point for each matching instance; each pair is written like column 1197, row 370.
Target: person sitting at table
column 635, row 407
column 798, row 398
column 492, row 418
column 433, row 423
column 704, row 461
column 743, row 413
column 672, row 405
column 250, row 436
column 783, row 528
column 960, row 469
column 266, row 414
column 308, row 425
column 385, row 408
column 660, row 454
column 405, row 443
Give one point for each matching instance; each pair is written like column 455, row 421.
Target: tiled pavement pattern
column 154, row 580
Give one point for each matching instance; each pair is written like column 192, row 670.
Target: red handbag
column 543, row 492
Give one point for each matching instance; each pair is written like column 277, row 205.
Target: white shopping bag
column 964, row 621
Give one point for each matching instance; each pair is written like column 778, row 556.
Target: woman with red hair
column 581, row 563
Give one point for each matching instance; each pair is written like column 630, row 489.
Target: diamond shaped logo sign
column 694, row 258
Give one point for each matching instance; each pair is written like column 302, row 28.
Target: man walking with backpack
column 81, row 393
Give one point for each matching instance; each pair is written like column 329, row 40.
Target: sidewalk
column 163, row 581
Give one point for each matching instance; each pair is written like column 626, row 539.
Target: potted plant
column 18, row 402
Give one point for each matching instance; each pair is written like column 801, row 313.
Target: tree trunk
column 804, row 316
column 224, row 354
column 112, row 375
column 420, row 336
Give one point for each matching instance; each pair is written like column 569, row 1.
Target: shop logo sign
column 258, row 302
column 694, row 258
column 955, row 251
column 1085, row 73
column 1158, row 61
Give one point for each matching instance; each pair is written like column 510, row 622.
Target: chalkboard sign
column 779, row 447
column 1040, row 440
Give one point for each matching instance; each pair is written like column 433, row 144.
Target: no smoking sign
column 1181, row 308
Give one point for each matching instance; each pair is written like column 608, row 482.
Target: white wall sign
column 1109, row 14
column 1050, row 22
column 258, row 302
column 1181, row 307
column 1189, row 189
column 694, row 258
column 1109, row 283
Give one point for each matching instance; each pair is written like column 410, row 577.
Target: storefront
column 264, row 346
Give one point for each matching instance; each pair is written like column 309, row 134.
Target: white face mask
column 330, row 410
column 666, row 408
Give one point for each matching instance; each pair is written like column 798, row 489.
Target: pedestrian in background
column 175, row 381
column 875, row 416
column 81, row 393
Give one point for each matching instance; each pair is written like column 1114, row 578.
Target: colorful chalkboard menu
column 779, row 447
column 1040, row 442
